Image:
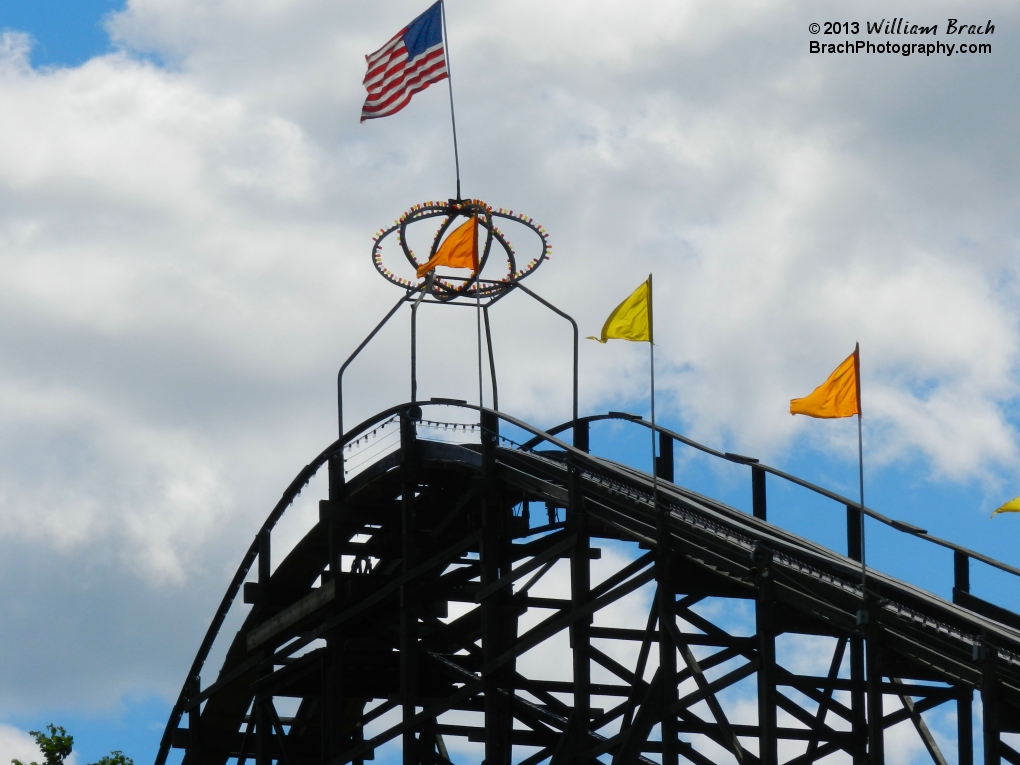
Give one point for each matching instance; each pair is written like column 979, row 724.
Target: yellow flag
column 458, row 250
column 632, row 319
column 1013, row 506
column 839, row 396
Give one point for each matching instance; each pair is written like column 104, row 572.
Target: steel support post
column 758, row 503
column 492, row 360
column 990, row 701
column 768, row 743
column 414, row 350
column 359, row 349
column 495, row 608
column 408, row 621
column 580, row 588
column 573, row 325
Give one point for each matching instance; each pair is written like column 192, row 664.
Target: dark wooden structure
column 413, row 615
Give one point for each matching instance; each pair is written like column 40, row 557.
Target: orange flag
column 839, row 396
column 458, row 250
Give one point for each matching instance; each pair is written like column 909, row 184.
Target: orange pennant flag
column 839, row 396
column 458, row 250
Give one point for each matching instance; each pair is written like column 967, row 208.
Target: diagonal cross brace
column 922, row 728
column 713, row 703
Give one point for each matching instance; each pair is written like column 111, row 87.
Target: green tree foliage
column 116, row 757
column 56, row 747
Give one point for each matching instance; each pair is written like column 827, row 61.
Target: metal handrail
column 738, row 459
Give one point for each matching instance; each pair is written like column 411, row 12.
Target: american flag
column 411, row 61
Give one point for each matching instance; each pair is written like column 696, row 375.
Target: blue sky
column 68, row 34
column 65, row 33
column 185, row 228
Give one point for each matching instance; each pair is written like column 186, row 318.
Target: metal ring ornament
column 447, row 288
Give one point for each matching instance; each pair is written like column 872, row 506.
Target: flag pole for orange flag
column 449, row 82
column 860, row 463
column 840, row 396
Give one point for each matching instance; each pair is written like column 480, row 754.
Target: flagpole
column 456, row 163
column 478, row 315
column 663, row 599
column 449, row 82
column 860, row 465
column 651, row 365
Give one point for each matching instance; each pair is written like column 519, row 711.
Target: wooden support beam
column 195, row 722
column 922, row 728
column 664, row 460
column 732, row 743
column 768, row 741
column 876, row 726
column 580, row 594
column 494, row 606
column 965, row 727
column 408, row 622
column 990, row 701
column 758, row 497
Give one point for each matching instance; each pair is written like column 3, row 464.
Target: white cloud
column 16, row 743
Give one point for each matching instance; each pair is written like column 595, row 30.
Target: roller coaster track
column 533, row 603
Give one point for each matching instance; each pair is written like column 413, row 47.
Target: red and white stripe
column 391, row 79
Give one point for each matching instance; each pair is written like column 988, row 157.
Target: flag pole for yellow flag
column 632, row 320
column 651, row 369
column 667, row 651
